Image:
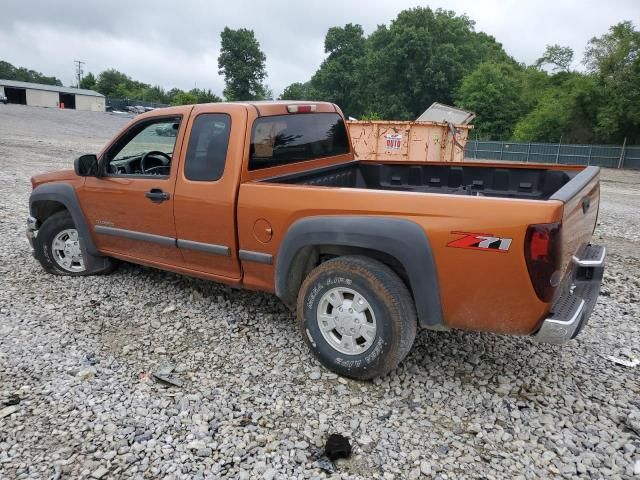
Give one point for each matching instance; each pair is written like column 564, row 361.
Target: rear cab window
column 284, row 139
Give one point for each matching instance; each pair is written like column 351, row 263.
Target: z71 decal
column 481, row 241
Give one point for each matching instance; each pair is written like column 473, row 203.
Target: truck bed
column 506, row 181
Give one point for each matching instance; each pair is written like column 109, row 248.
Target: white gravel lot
column 254, row 403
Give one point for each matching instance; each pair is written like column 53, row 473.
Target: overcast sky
column 176, row 43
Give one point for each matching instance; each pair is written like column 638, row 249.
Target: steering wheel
column 153, row 153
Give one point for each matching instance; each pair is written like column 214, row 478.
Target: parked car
column 268, row 196
column 3, row 98
column 135, row 109
column 167, row 130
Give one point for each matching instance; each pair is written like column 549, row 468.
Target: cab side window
column 145, row 149
column 208, row 144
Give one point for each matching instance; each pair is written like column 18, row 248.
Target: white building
column 40, row 95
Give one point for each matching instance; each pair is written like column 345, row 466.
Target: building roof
column 439, row 112
column 50, row 88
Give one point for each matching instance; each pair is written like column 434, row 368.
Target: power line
column 79, row 70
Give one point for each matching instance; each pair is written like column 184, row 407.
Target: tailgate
column 581, row 198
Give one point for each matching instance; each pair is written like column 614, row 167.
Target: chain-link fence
column 123, row 103
column 613, row 156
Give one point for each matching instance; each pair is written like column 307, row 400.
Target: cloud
column 176, row 44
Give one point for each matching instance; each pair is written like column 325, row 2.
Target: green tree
column 195, row 95
column 88, row 81
column 339, row 78
column 421, row 58
column 566, row 111
column 21, row 74
column 112, row 81
column 205, row 96
column 243, row 65
column 495, row 92
column 299, row 91
column 559, row 57
column 614, row 59
column 184, row 98
column 155, row 94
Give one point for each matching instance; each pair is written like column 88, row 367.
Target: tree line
column 21, row 74
column 425, row 56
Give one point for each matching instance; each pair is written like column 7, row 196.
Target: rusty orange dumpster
column 408, row 141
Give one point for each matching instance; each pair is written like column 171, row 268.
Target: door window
column 146, row 149
column 208, row 143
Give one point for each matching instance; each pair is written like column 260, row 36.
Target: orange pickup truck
column 268, row 196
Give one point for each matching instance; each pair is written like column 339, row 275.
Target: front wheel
column 59, row 249
column 356, row 316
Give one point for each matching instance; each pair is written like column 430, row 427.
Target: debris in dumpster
column 337, row 446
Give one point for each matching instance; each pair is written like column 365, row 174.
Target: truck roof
column 263, row 107
column 275, row 107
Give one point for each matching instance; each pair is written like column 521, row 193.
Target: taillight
column 542, row 250
column 301, row 108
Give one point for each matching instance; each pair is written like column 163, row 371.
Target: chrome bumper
column 32, row 229
column 579, row 294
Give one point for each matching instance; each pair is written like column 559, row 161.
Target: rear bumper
column 578, row 295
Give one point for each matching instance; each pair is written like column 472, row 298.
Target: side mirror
column 86, row 165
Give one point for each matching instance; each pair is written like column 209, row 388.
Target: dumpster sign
column 393, row 141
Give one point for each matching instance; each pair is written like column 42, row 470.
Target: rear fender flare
column 402, row 239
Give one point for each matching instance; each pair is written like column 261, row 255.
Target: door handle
column 156, row 195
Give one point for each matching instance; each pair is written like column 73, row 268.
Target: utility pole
column 79, row 70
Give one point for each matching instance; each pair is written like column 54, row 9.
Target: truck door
column 130, row 207
column 206, row 190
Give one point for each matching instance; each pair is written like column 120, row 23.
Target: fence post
column 589, row 157
column 558, row 152
column 501, row 149
column 475, row 148
column 528, row 150
column 624, row 146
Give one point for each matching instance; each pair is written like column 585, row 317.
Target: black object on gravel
column 337, row 446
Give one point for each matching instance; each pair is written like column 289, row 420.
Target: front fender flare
column 404, row 240
column 66, row 195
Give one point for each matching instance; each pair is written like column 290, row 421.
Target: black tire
column 53, row 225
column 390, row 302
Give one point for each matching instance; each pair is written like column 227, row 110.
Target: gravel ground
column 77, row 353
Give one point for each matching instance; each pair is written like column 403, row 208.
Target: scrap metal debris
column 631, row 360
column 326, row 465
column 164, row 374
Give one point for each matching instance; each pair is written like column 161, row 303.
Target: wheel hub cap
column 66, row 251
column 346, row 320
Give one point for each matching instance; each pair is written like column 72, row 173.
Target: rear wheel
column 356, row 316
